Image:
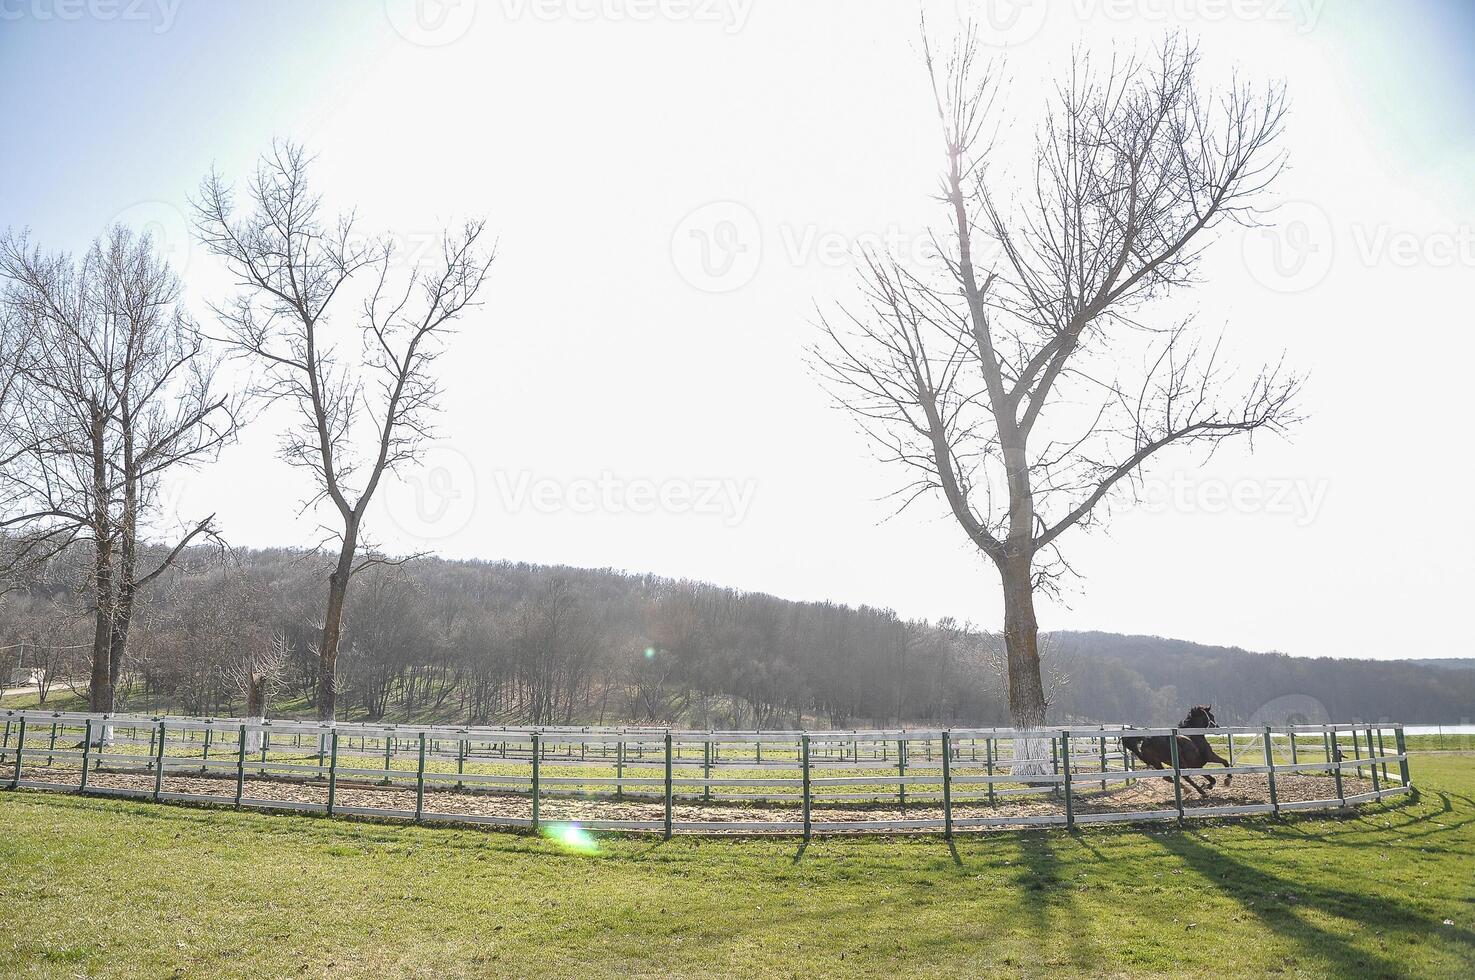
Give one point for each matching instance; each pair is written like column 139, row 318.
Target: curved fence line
column 676, row 781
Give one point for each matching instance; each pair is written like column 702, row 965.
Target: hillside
column 501, row 641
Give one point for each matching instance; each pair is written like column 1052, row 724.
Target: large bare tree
column 1033, row 372
column 362, row 408
column 116, row 391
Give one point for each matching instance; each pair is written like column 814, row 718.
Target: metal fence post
column 20, row 747
column 241, row 766
column 1177, row 774
column 988, row 755
column 51, row 747
column 707, row 767
column 536, row 763
column 1270, row 774
column 333, row 772
column 804, row 763
column 420, row 780
column 1070, row 813
column 947, row 784
column 901, row 770
column 1335, row 754
column 1402, row 754
column 86, row 754
column 159, row 763
column 1371, row 757
column 668, row 784
column 461, row 760
column 620, row 768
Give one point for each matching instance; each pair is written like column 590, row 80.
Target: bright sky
column 677, row 183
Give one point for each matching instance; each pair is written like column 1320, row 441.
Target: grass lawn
column 93, row 887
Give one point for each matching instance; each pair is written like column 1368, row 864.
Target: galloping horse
column 1194, row 751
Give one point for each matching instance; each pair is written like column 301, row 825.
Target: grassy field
column 103, row 888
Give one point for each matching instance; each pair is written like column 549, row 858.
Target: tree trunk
column 327, row 691
column 100, row 688
column 1022, row 645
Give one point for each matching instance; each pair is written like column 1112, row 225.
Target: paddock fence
column 671, row 781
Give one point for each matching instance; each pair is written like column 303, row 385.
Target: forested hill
column 502, row 642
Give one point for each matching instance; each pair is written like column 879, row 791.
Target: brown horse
column 1194, row 751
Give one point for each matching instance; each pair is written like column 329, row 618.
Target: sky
column 677, row 186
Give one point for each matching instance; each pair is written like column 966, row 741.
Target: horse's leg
column 1215, row 757
column 1201, row 790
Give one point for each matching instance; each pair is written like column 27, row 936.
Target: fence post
column 1102, row 740
column 461, row 760
column 333, row 772
column 988, row 756
column 901, row 770
column 947, row 784
column 668, row 784
column 1270, row 774
column 241, row 766
column 1377, row 786
column 51, row 748
column 804, row 763
column 20, row 747
column 1335, row 754
column 1070, row 813
column 620, row 768
column 159, row 763
column 86, row 754
column 420, row 780
column 536, row 763
column 1292, row 733
column 1177, row 775
column 205, row 756
column 1402, row 755
column 707, row 767
column 1382, row 754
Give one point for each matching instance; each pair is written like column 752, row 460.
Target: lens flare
column 572, row 837
column 650, row 653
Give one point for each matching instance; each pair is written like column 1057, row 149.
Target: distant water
column 1439, row 729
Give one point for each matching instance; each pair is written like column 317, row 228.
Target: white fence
column 669, row 781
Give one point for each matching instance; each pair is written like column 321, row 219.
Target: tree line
column 505, row 643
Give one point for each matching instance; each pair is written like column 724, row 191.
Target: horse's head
column 1200, row 716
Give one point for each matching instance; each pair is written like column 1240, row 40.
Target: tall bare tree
column 1031, row 374
column 116, row 392
column 360, row 413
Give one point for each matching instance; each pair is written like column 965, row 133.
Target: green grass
column 103, row 888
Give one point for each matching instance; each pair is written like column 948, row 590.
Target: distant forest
column 501, row 643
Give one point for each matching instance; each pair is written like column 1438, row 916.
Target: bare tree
column 359, row 414
column 116, row 392
column 1022, row 379
column 256, row 676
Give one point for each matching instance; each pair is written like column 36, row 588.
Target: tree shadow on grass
column 1273, row 900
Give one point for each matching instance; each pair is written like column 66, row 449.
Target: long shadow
column 1250, row 888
